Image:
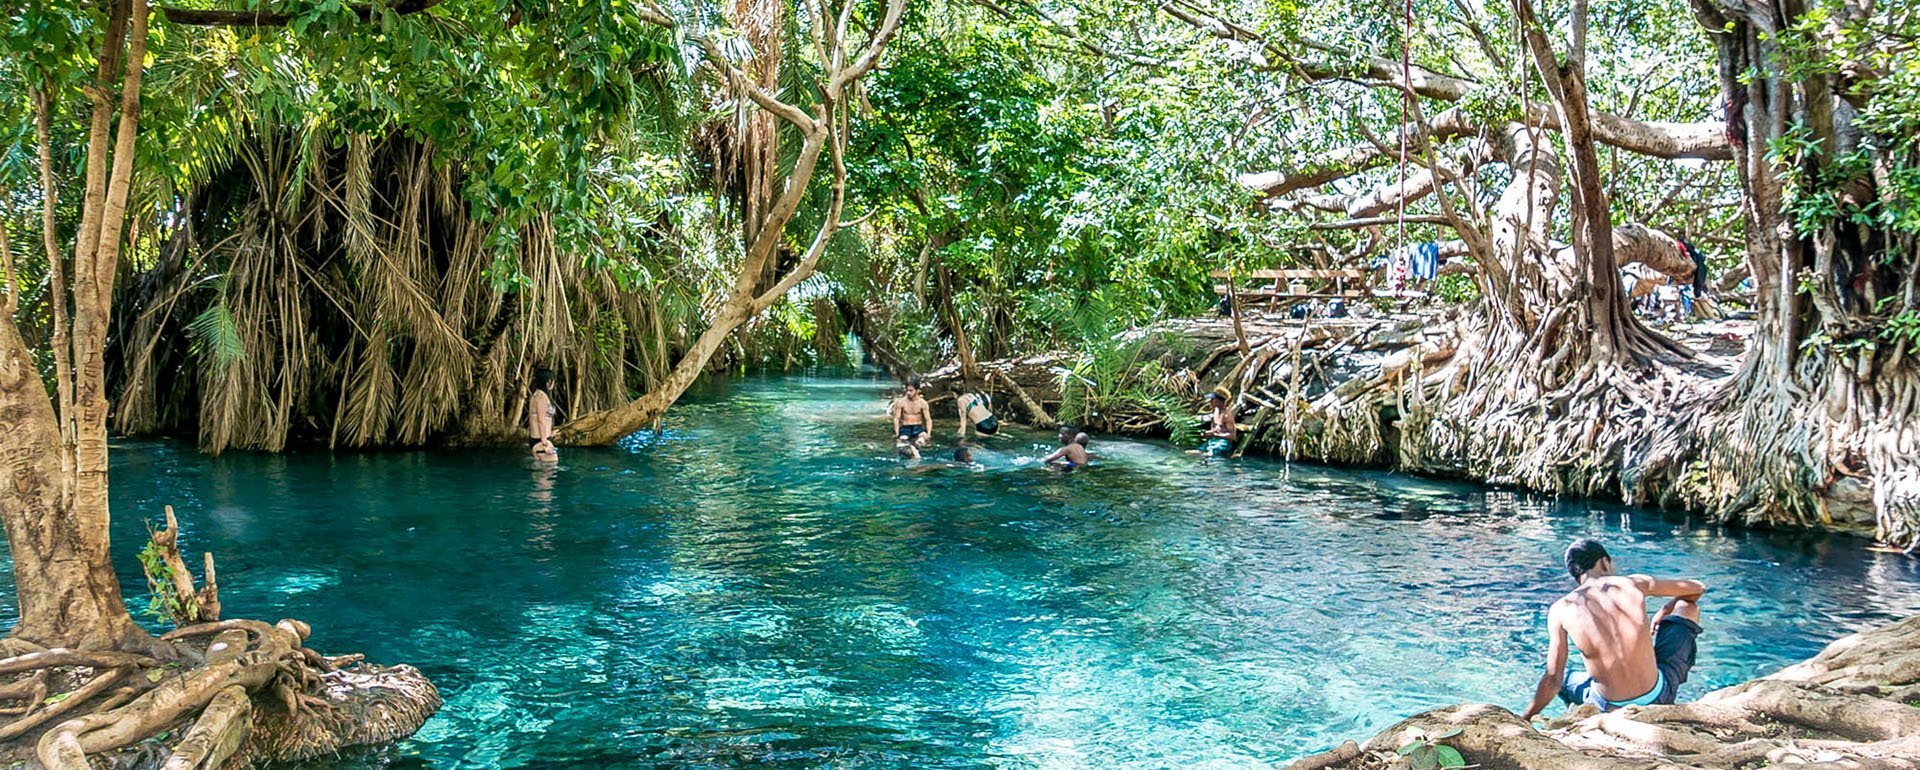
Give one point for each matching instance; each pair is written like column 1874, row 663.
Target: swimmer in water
column 976, row 409
column 1071, row 454
column 540, row 413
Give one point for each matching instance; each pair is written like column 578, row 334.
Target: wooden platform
column 1278, row 286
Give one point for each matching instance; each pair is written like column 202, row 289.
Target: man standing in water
column 540, row 413
column 1222, row 430
column 912, row 419
column 1629, row 663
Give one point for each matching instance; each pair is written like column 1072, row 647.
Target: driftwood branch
column 1039, row 414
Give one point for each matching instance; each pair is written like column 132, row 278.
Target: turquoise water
column 765, row 586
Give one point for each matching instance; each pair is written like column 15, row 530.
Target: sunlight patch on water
column 302, row 581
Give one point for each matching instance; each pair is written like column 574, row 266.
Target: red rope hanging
column 1406, row 113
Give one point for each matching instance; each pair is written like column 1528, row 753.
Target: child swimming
column 1072, row 452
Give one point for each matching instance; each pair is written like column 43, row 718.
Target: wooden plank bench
column 1333, row 284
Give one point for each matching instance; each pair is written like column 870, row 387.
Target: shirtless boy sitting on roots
column 1629, row 663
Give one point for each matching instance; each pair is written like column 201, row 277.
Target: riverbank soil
column 1851, row 706
column 1408, row 389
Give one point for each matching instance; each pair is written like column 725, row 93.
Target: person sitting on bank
column 912, row 418
column 1222, row 432
column 1628, row 661
column 540, row 413
column 1071, row 454
column 976, row 409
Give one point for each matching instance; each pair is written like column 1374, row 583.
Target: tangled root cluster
column 234, row 692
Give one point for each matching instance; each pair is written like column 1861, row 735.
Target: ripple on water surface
column 761, row 585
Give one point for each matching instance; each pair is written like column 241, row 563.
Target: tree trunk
column 823, row 130
column 56, row 517
column 1824, row 393
column 608, row 426
column 68, row 593
column 760, row 23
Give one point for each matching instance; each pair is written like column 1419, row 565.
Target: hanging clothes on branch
column 1426, row 261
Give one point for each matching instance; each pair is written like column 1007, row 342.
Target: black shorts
column 989, row 426
column 1673, row 652
column 911, row 432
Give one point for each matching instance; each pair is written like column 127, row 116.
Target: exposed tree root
column 1800, row 716
column 1458, row 397
column 253, row 693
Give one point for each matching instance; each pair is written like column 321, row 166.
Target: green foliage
column 1816, row 181
column 1456, row 289
column 216, row 335
column 164, row 604
column 1905, row 328
column 1428, row 753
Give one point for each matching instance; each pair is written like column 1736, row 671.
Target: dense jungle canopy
column 364, row 225
column 270, row 224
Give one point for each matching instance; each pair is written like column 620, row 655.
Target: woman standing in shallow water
column 540, row 413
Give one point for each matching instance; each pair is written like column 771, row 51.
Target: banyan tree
column 1548, row 381
column 85, row 678
column 326, row 278
column 284, row 227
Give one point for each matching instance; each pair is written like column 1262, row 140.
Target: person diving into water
column 1629, row 662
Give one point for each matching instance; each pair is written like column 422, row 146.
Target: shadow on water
column 763, row 584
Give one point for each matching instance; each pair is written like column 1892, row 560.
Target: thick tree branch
column 200, row 17
column 889, row 26
column 741, row 84
column 1705, row 140
column 1361, row 224
column 1348, row 161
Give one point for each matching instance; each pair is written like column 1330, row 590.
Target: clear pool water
column 765, row 586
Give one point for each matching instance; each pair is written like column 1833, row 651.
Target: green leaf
column 216, row 331
column 1449, row 756
column 1445, row 735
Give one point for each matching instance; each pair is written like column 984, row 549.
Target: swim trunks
column 912, row 432
column 1673, row 654
column 1218, row 447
